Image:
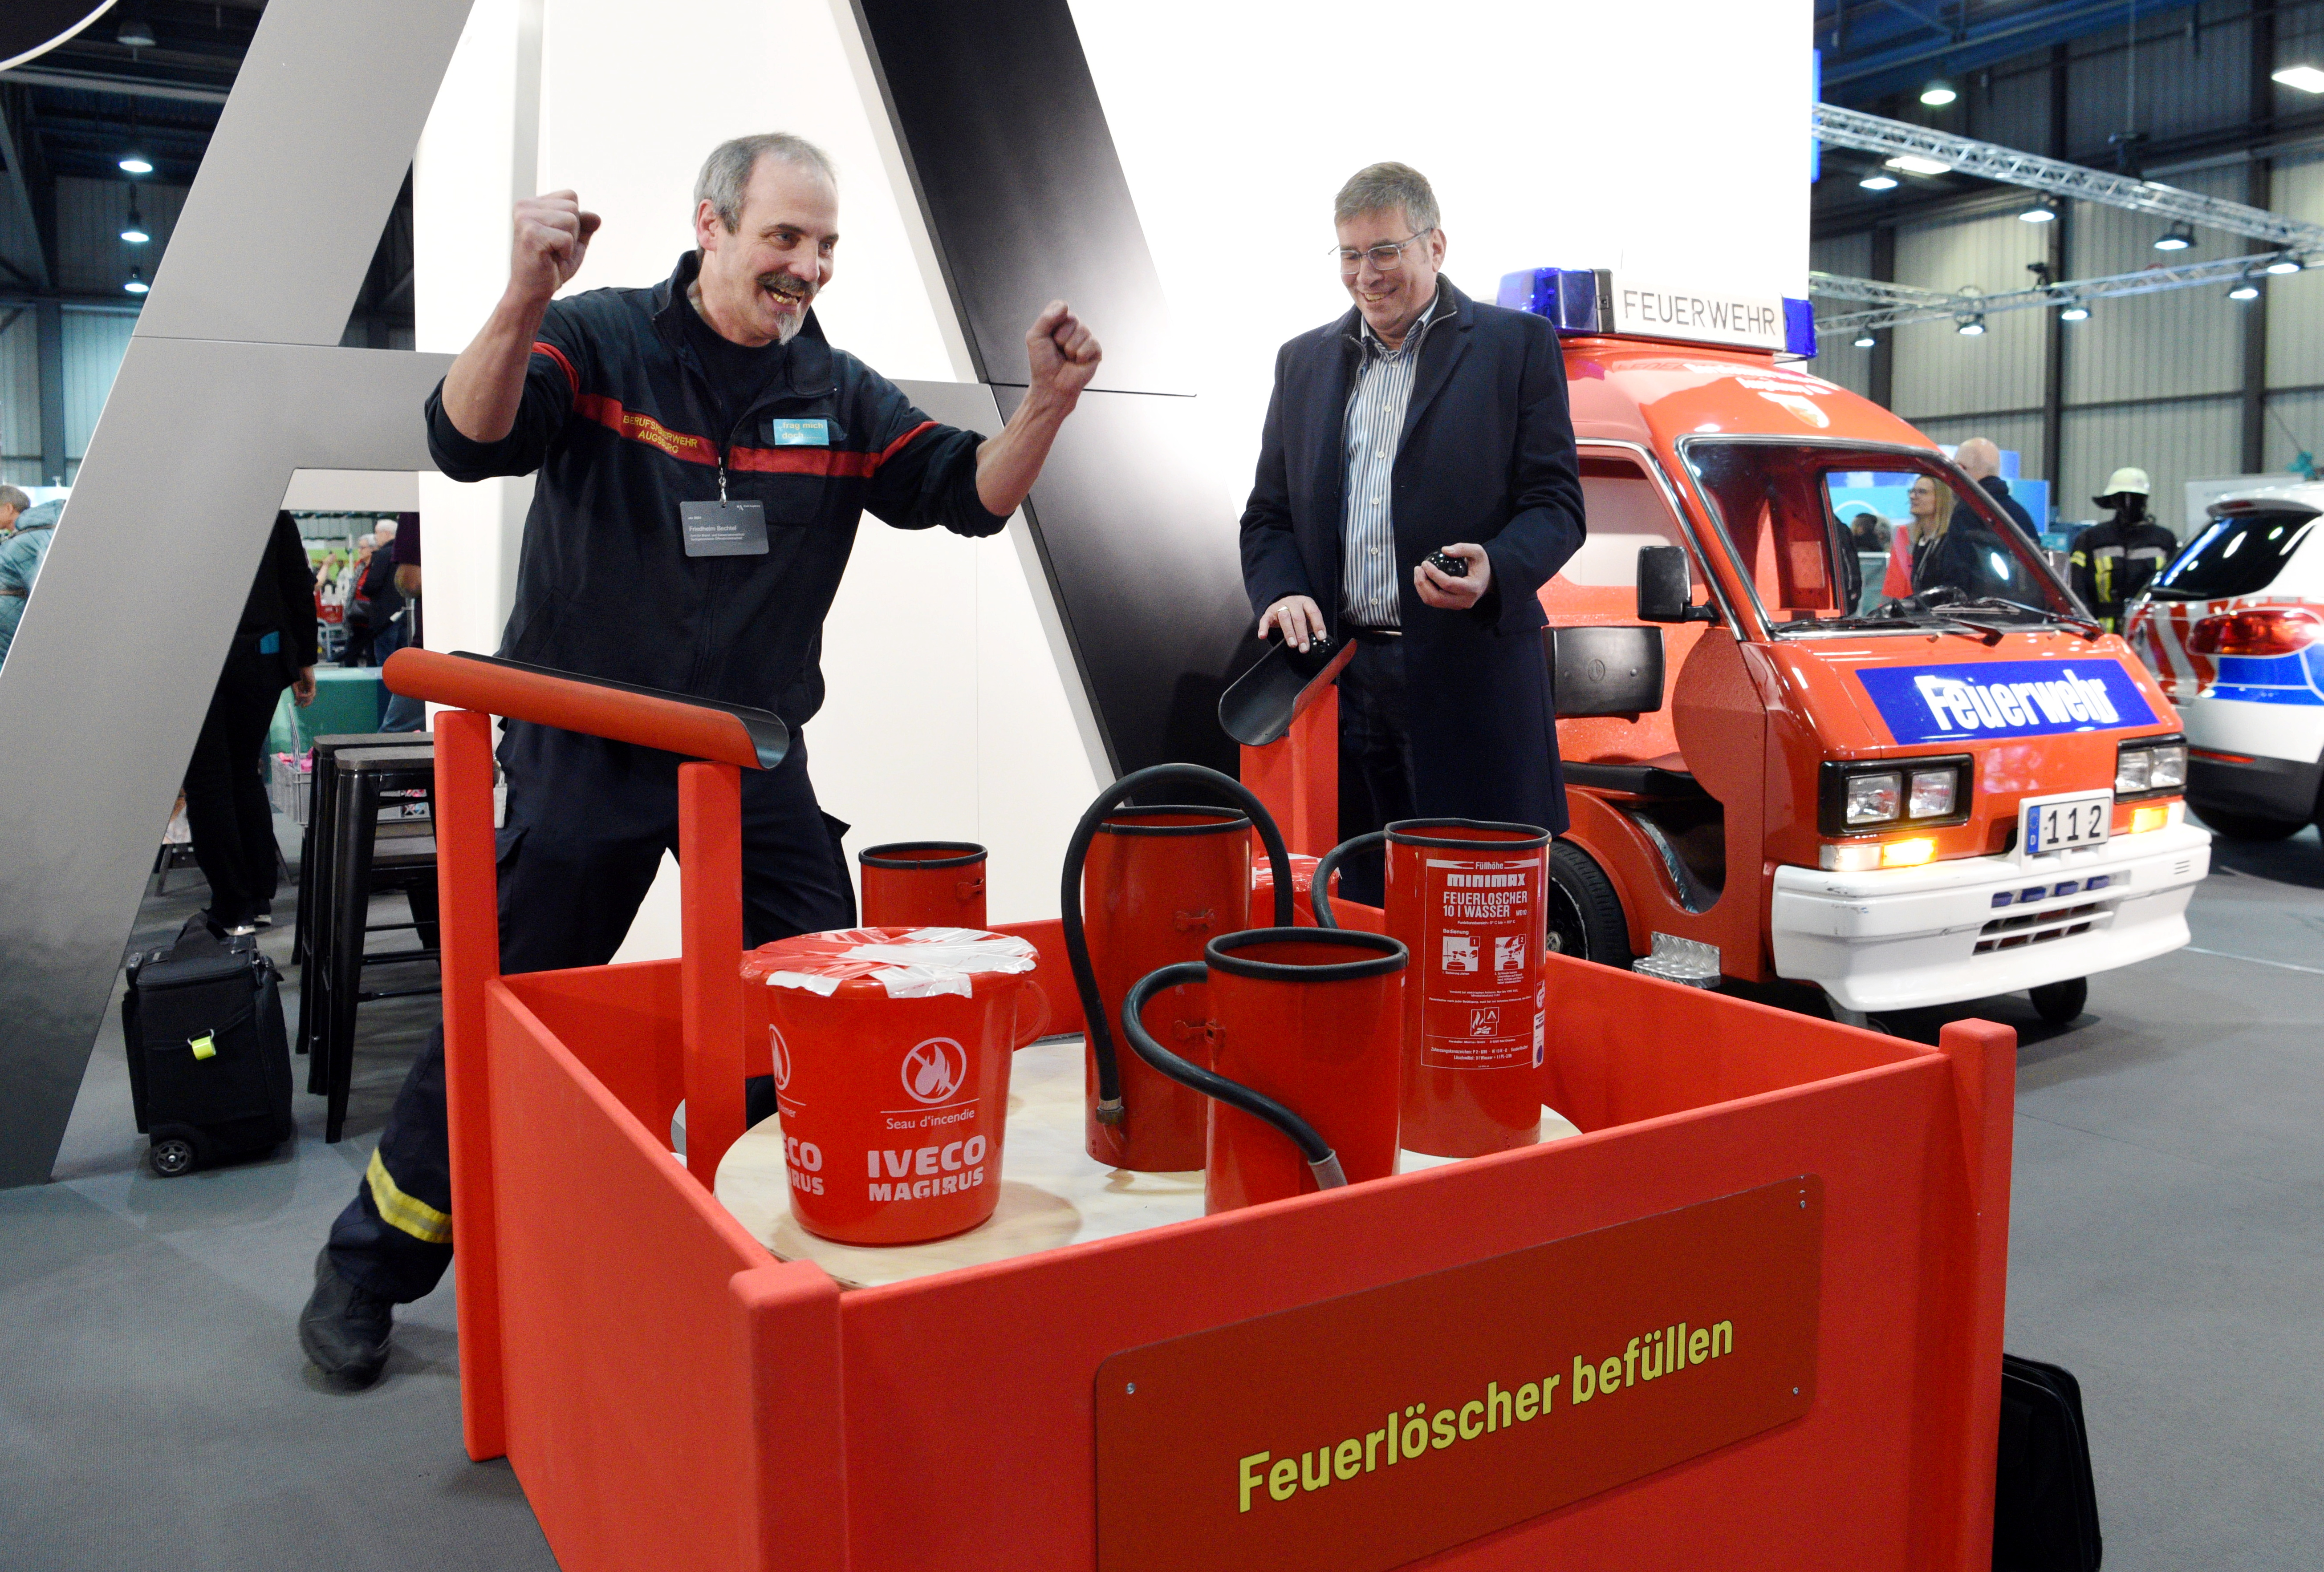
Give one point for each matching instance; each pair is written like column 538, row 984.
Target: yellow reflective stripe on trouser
column 415, row 1218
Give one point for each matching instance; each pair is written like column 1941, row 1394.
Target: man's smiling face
column 1393, row 298
column 758, row 279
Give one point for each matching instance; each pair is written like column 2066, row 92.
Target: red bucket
column 890, row 1051
column 923, row 884
column 1471, row 900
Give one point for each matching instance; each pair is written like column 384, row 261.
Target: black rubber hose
column 1069, row 901
column 1321, row 1160
column 1320, row 893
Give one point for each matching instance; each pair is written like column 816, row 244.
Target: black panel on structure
column 1001, row 128
column 1143, row 558
column 1025, row 200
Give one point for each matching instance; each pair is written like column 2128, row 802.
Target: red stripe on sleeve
column 542, row 346
column 902, row 442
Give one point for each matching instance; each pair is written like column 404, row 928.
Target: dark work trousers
column 587, row 822
column 1375, row 785
column 226, row 795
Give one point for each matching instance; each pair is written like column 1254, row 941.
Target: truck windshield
column 2238, row 553
column 1867, row 537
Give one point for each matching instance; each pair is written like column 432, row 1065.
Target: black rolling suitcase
column 209, row 1062
column 2045, row 1508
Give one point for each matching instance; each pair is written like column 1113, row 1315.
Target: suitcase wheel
column 175, row 1150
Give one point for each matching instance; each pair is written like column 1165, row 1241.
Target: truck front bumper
column 1901, row 938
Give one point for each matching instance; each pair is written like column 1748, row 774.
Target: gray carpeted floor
column 155, row 1409
column 2167, row 1246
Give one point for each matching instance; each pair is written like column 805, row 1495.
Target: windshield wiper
column 2089, row 630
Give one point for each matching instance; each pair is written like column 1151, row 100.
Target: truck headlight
column 2151, row 767
column 1866, row 797
column 1872, row 799
column 1932, row 793
column 2169, row 765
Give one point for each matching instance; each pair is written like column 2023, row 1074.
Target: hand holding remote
column 1453, row 578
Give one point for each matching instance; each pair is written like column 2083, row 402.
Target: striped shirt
column 1369, row 590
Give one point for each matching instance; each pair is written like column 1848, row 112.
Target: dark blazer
column 1487, row 456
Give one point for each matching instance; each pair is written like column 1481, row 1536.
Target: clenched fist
column 1062, row 351
column 552, row 238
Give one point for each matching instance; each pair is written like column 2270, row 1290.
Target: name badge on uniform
column 798, row 433
column 724, row 528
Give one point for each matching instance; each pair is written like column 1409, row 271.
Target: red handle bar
column 698, row 729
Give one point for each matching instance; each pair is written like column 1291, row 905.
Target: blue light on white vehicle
column 1600, row 301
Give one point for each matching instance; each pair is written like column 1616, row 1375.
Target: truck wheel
column 1585, row 915
column 2059, row 1002
column 2249, row 826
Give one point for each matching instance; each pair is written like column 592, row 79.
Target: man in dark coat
column 1980, row 459
column 1421, row 422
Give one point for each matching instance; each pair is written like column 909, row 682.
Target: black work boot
column 343, row 1328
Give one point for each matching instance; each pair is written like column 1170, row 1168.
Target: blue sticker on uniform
column 270, row 645
column 2004, row 698
column 798, row 433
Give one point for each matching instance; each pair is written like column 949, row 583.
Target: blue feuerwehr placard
column 2004, row 698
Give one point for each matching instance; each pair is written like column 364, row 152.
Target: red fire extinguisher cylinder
column 1307, row 1058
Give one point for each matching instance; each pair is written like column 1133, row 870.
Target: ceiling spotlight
column 1878, row 182
column 135, row 164
column 1938, row 93
column 2283, row 264
column 2244, row 290
column 2041, row 212
column 2178, row 237
column 134, row 231
column 1971, row 326
column 136, row 33
column 1865, row 340
column 2307, row 78
column 137, row 284
column 2077, row 312
column 1914, row 163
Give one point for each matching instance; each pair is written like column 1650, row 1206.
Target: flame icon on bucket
column 782, row 1058
column 934, row 1070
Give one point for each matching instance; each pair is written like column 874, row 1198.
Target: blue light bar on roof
column 1598, row 300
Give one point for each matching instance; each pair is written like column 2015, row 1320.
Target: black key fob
column 1450, row 566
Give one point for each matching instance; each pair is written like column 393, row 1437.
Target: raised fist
column 552, row 238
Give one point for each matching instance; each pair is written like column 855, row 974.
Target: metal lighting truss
column 1991, row 161
column 1895, row 304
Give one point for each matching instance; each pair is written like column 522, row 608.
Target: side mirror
column 1666, row 588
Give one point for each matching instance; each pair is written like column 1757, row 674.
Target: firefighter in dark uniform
column 713, row 387
column 2114, row 561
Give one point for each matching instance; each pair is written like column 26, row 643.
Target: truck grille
column 2024, row 928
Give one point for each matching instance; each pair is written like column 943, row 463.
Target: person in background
column 2114, row 559
column 1868, row 531
column 404, row 713
column 21, row 556
column 1420, row 423
column 375, row 601
column 1928, row 513
column 355, row 618
column 13, row 503
column 1980, row 460
column 226, row 809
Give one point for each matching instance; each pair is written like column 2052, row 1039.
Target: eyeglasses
column 1386, row 257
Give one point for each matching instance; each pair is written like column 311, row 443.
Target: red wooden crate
column 670, row 1395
